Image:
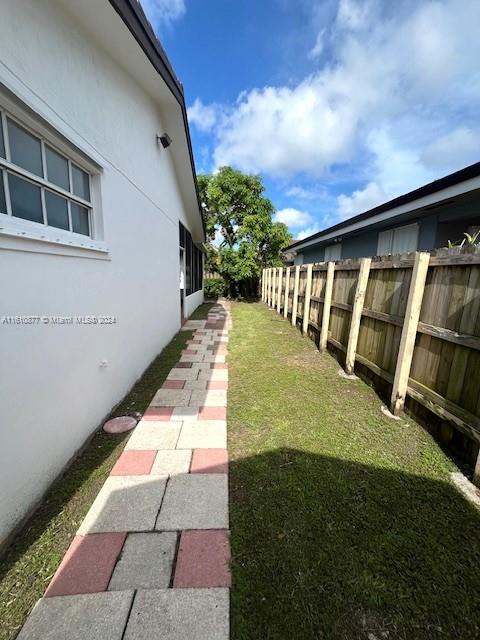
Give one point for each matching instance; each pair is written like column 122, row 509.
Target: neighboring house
column 98, row 217
column 427, row 218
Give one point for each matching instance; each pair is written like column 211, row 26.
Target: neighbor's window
column 333, row 252
column 40, row 184
column 399, row 240
column 193, row 262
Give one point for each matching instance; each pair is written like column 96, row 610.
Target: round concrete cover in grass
column 120, row 425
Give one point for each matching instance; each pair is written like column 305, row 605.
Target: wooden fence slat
column 327, row 301
column 472, row 342
column 274, row 288
column 409, row 332
column 279, row 295
column 306, row 304
column 476, row 472
column 295, row 295
column 269, row 285
column 361, row 289
column 287, row 292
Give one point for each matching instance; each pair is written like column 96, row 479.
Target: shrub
column 214, row 287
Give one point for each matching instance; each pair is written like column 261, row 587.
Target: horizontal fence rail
column 411, row 319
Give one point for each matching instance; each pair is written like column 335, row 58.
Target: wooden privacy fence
column 412, row 319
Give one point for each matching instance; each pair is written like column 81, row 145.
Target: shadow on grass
column 330, row 549
column 36, row 550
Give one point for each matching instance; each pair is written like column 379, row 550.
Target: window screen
column 193, row 262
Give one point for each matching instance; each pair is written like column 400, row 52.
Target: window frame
column 15, row 227
column 193, row 262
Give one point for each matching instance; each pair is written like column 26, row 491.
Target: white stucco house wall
column 91, row 208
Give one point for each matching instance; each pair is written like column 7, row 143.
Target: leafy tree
column 242, row 238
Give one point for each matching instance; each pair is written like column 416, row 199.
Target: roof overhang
column 453, row 185
column 122, row 30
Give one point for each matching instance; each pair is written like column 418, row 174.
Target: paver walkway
column 151, row 558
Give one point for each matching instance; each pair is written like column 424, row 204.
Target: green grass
column 30, row 562
column 345, row 525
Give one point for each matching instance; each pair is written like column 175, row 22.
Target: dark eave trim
column 132, row 14
column 472, row 171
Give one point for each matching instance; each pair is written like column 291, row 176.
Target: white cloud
column 317, row 49
column 307, row 232
column 386, row 102
column 293, row 217
column 163, row 12
column 204, row 117
column 302, row 193
column 360, row 200
column 353, row 15
column 462, row 143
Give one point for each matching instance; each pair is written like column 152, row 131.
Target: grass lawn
column 345, row 525
column 31, row 561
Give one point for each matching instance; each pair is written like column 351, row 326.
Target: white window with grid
column 44, row 188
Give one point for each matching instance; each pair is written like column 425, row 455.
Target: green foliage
column 470, row 240
column 242, row 238
column 214, row 287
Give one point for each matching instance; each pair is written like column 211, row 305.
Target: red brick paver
column 173, row 384
column 217, row 384
column 209, row 461
column 203, row 559
column 134, row 463
column 158, row 413
column 88, row 564
column 212, row 413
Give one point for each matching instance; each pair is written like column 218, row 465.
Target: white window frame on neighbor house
column 398, row 240
column 333, row 252
column 11, row 225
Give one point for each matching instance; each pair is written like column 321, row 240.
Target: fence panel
column 319, row 279
column 444, row 373
column 343, row 295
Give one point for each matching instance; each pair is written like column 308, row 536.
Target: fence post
column 327, row 301
column 409, row 331
column 306, row 302
column 279, row 298
column 287, row 291
column 357, row 314
column 274, row 291
column 295, row 295
column 264, row 273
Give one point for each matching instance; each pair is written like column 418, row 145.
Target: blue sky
column 338, row 104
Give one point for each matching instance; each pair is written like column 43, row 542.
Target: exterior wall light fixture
column 164, row 140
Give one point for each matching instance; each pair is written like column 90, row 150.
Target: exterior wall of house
column 360, row 246
column 60, row 381
column 434, row 231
